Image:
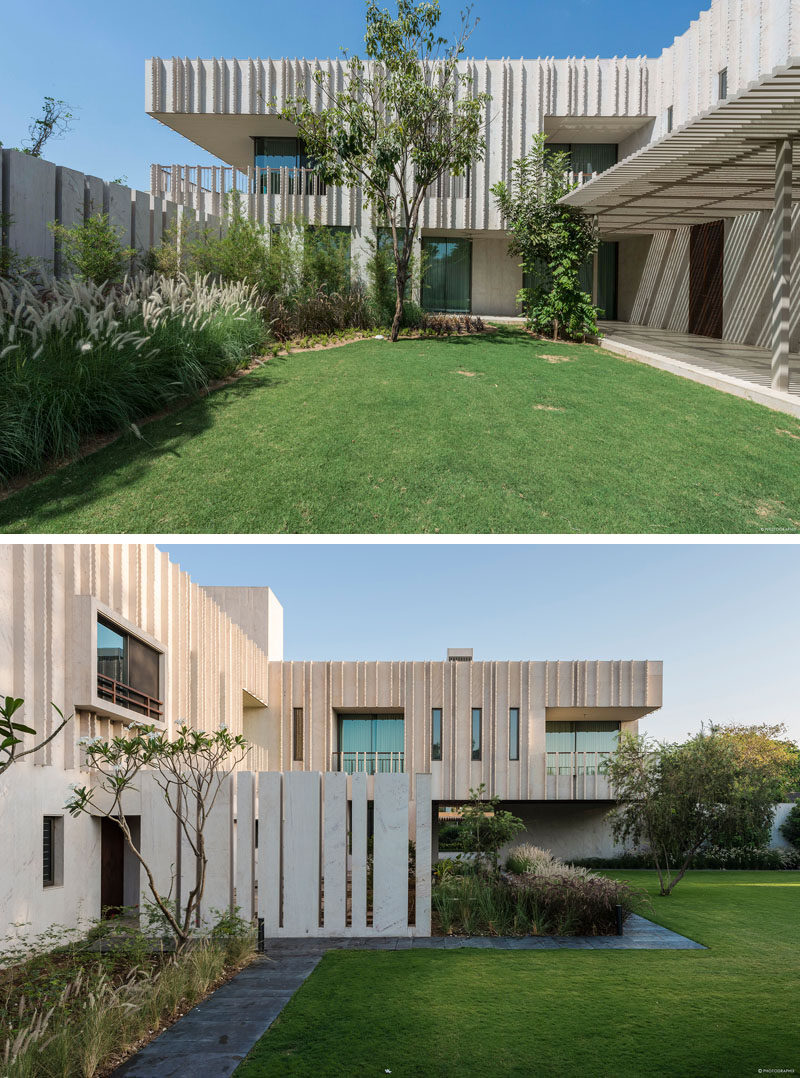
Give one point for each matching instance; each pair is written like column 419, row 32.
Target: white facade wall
column 47, row 653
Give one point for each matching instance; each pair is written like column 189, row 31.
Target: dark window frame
column 477, row 715
column 436, row 741
column 722, row 84
column 670, row 118
column 298, row 746
column 513, row 733
column 52, row 851
column 122, row 693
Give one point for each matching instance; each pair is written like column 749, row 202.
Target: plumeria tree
column 190, row 770
column 405, row 116
column 12, row 733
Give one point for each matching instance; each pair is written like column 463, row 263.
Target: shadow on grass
column 123, row 463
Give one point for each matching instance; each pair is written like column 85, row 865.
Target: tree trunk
column 400, row 288
column 555, row 329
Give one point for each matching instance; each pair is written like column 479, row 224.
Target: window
column 722, row 84
column 477, row 732
column 669, row 119
column 447, row 275
column 579, row 747
column 371, row 743
column 128, row 671
column 52, row 851
column 436, row 733
column 277, row 153
column 513, row 733
column 326, row 257
column 297, row 729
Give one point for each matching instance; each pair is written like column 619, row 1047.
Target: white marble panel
column 158, row 845
column 358, row 861
column 423, row 791
column 301, row 852
column 269, row 850
column 218, row 834
column 390, row 880
column 245, row 844
column 335, row 851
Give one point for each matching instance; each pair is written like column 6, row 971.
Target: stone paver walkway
column 215, row 1036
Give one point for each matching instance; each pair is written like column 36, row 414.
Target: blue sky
column 92, row 55
column 723, row 618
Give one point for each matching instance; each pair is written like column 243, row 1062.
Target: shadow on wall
column 661, row 296
column 654, row 279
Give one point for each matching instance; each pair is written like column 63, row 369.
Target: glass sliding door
column 447, row 275
column 371, row 743
column 565, row 739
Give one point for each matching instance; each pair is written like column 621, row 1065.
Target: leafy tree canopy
column 406, row 115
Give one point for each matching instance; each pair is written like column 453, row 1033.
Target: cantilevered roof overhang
column 720, row 164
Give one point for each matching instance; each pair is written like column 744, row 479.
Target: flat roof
column 720, row 164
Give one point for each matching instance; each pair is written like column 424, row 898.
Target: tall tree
column 673, row 799
column 554, row 241
column 406, row 116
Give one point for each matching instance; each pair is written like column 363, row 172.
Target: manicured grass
column 467, row 434
column 727, row 1011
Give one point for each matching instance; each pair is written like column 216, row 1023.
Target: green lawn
column 727, row 1011
column 468, row 434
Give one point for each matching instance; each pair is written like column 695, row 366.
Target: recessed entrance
column 706, row 246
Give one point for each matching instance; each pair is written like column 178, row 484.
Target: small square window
column 723, row 84
column 52, row 851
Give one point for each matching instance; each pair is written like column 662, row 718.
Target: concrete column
column 781, row 264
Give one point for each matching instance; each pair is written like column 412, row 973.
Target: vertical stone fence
column 35, row 192
column 310, row 854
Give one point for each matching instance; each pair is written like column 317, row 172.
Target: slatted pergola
column 736, row 158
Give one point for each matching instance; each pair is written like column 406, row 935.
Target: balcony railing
column 577, row 776
column 371, row 763
column 184, row 183
column 126, row 696
column 578, row 179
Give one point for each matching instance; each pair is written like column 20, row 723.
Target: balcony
column 577, row 776
column 369, row 763
column 126, row 696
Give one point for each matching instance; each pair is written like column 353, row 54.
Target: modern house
column 118, row 634
column 685, row 160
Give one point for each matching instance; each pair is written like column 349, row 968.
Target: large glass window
column 128, row 671
column 446, row 275
column 371, row 743
column 436, row 733
column 277, row 153
column 477, row 733
column 579, row 747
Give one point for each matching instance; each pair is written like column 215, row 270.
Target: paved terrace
column 740, row 369
column 215, row 1036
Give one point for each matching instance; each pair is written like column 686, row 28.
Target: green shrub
column 481, row 904
column 790, row 828
column 76, row 362
column 747, row 857
column 449, row 837
column 485, row 827
column 94, row 250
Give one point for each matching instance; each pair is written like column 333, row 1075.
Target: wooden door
column 112, row 868
column 706, row 245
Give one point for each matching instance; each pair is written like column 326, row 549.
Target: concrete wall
column 568, row 829
column 542, row 690
column 47, row 654
column 257, row 613
column 496, row 276
column 35, row 192
column 776, row 838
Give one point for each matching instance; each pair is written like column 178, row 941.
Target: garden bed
column 83, row 1007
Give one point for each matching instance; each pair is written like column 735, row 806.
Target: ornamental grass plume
column 78, row 361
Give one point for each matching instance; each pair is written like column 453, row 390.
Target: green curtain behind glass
column 447, row 271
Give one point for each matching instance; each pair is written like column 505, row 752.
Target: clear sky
column 92, row 55
column 723, row 618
